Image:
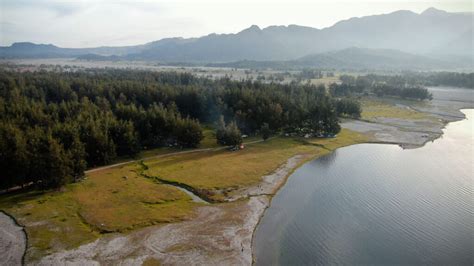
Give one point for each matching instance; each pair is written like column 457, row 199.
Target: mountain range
column 434, row 37
column 355, row 58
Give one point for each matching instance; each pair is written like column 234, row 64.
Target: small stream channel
column 195, row 197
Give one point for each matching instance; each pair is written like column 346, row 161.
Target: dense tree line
column 381, row 86
column 411, row 92
column 453, row 79
column 55, row 125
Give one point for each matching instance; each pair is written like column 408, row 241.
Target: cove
column 377, row 204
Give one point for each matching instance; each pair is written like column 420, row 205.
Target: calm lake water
column 377, row 204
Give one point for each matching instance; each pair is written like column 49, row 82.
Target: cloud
column 59, row 8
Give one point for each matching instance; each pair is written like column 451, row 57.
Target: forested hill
column 355, row 58
column 55, row 125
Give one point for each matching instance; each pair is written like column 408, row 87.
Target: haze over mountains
column 434, row 38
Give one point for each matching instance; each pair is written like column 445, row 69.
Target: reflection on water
column 377, row 204
column 327, row 160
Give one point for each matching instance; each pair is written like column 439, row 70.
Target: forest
column 56, row 125
column 394, row 86
column 452, row 79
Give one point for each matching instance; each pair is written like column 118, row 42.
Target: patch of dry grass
column 325, row 81
column 126, row 200
column 223, row 169
column 104, row 202
column 151, row 262
column 372, row 109
column 345, row 138
column 209, row 140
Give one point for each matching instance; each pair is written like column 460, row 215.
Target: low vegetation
column 112, row 200
column 378, row 108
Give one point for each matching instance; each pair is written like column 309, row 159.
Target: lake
column 377, row 204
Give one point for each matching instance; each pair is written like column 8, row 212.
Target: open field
column 326, row 80
column 261, row 74
column 376, row 108
column 216, row 170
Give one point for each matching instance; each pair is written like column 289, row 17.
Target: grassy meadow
column 376, row 108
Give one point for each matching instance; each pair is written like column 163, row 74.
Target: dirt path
column 12, row 241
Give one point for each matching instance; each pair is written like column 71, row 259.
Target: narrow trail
column 167, row 154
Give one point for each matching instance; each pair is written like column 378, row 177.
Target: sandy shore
column 12, row 241
column 443, row 109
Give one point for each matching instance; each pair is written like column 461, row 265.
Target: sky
column 91, row 23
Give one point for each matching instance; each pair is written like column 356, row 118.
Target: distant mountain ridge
column 354, row 58
column 431, row 32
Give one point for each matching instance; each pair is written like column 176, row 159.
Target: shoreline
column 400, row 144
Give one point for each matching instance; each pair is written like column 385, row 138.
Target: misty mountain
column 363, row 58
column 353, row 59
column 431, row 32
column 31, row 50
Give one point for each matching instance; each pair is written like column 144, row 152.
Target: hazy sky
column 90, row 23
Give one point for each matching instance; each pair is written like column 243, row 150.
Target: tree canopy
column 56, row 124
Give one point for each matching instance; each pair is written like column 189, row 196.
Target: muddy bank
column 409, row 135
column 221, row 234
column 270, row 183
column 443, row 109
column 12, row 241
